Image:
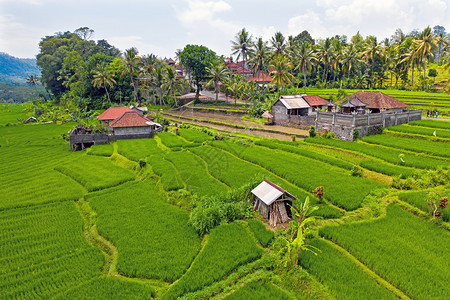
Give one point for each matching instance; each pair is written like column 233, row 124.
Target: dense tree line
column 337, row 62
column 77, row 70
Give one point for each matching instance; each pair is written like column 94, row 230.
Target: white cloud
column 203, row 14
column 126, row 42
column 17, row 38
column 310, row 21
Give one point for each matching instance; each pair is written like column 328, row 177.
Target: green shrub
column 355, row 134
column 357, row 171
column 312, row 131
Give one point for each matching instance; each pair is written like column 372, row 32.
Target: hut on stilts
column 273, row 202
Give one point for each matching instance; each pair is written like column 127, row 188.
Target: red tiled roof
column 378, row 100
column 151, row 118
column 315, row 100
column 130, row 119
column 232, row 65
column 260, row 77
column 241, row 70
column 113, row 113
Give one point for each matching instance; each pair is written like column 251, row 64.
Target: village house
column 365, row 111
column 112, row 113
column 273, row 202
column 132, row 123
column 261, row 78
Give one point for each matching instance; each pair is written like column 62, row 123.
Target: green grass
column 168, row 173
column 194, row 135
column 137, row 149
column 259, row 290
column 260, row 231
column 28, row 162
column 101, row 150
column 95, row 172
column 389, row 155
column 435, row 124
column 346, row 279
column 308, row 174
column 236, row 172
column 229, row 246
column 153, row 238
column 407, row 251
column 291, row 147
column 12, row 114
column 421, row 130
column 425, row 146
column 43, row 251
column 194, row 173
column 172, row 141
column 109, row 288
column 387, row 169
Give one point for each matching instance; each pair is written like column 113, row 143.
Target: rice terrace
column 296, row 168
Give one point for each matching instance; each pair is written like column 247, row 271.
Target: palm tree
column 305, row 57
column 130, row 62
column 159, row 81
column 171, row 82
column 280, row 66
column 278, row 44
column 218, row 72
column 425, row 46
column 349, row 58
column 411, row 59
column 371, row 51
column 259, row 56
column 32, row 80
column 242, row 46
column 233, row 86
column 102, row 76
column 441, row 43
column 324, row 55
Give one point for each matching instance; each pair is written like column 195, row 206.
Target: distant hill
column 13, row 70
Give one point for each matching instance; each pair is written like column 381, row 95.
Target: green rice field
column 114, row 221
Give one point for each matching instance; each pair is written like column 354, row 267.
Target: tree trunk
column 107, row 94
column 412, row 76
column 197, row 92
column 217, row 90
column 304, row 80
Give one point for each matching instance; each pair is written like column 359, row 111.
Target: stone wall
column 86, row 140
column 343, row 125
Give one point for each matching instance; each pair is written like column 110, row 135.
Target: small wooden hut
column 268, row 116
column 273, row 202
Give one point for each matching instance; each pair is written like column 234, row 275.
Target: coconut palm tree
column 242, row 46
column 324, row 55
column 131, row 62
column 159, row 81
column 32, row 80
column 305, row 58
column 218, row 72
column 102, row 76
column 441, row 43
column 370, row 53
column 171, row 83
column 350, row 58
column 259, row 56
column 280, row 66
column 425, row 47
column 278, row 44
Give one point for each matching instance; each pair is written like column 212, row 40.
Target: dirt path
column 284, row 133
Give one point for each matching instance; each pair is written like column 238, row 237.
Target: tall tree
column 324, row 55
column 280, row 66
column 196, row 59
column 130, row 61
column 349, row 58
column 102, row 76
column 32, row 80
column 242, row 46
column 278, row 44
column 425, row 47
column 171, row 82
column 217, row 71
column 370, row 53
column 305, row 59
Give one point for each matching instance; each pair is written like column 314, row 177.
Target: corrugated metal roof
column 269, row 192
column 294, row 102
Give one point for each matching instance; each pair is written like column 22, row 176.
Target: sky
column 162, row 27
